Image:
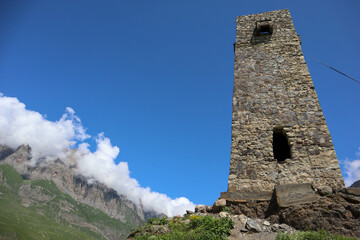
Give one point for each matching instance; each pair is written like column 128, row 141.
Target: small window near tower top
column 281, row 147
column 263, row 28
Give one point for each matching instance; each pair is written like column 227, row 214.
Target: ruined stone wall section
column 273, row 88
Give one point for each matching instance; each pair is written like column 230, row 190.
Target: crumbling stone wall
column 273, row 91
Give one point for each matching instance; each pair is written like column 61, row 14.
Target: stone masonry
column 279, row 133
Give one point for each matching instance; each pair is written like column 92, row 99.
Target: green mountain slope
column 37, row 209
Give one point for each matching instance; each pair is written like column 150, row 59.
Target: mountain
column 356, row 184
column 52, row 201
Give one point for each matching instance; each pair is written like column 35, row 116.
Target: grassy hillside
column 37, row 209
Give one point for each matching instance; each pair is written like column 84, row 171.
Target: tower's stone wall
column 273, row 90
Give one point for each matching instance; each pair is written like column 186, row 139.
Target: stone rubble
column 243, row 225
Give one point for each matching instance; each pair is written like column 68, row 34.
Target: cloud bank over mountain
column 51, row 140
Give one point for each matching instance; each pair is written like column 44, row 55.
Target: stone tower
column 279, row 133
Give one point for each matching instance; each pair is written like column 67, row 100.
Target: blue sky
column 156, row 77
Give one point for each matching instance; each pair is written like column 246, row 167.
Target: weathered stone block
column 201, row 208
column 243, row 196
column 252, row 225
column 294, row 194
column 218, row 205
column 324, row 190
column 224, row 214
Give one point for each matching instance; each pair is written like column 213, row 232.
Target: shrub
column 158, row 221
column 194, row 217
column 225, row 209
column 212, row 228
column 199, row 228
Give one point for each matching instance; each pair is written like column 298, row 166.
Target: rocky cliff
column 62, row 175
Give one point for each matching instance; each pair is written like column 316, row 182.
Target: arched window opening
column 281, row 145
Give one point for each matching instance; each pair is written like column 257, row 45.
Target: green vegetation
column 37, row 209
column 195, row 227
column 158, row 221
column 225, row 209
column 311, row 235
column 12, row 177
column 188, row 228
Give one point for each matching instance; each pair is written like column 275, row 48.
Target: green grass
column 48, row 219
column 29, row 224
column 311, row 235
column 198, row 228
column 12, row 177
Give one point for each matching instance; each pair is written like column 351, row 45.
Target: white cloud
column 53, row 140
column 352, row 171
column 21, row 126
column 358, row 153
column 100, row 166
